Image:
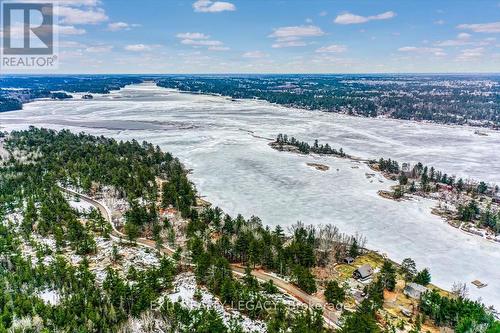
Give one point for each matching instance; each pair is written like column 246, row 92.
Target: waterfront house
column 363, row 273
column 414, row 290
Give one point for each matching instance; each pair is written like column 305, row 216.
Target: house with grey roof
column 414, row 290
column 363, row 273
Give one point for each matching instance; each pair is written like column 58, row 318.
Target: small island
column 284, row 143
column 320, row 167
column 60, row 95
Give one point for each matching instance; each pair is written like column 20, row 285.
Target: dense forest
column 99, row 84
column 9, row 104
column 460, row 313
column 458, row 99
column 16, row 90
column 29, row 182
column 42, row 160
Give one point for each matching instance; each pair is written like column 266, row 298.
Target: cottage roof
column 365, row 270
column 416, row 287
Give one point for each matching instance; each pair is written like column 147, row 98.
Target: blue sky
column 278, row 36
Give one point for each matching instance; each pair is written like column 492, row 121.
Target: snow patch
column 49, row 296
column 184, row 290
column 81, row 206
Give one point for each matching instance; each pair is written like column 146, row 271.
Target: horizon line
column 256, row 73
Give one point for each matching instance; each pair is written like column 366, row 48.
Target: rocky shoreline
column 391, row 194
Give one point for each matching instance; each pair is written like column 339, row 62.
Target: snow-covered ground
column 184, row 291
column 138, row 257
column 80, row 206
column 236, row 170
column 4, row 154
column 50, row 296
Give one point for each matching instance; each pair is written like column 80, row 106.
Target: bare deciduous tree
column 460, row 289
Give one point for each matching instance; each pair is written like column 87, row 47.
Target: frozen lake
column 236, row 169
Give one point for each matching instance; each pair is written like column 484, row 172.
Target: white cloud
column 117, row 26
column 88, row 3
column 297, row 31
column 463, row 36
column 201, row 42
column 493, row 27
column 333, row 48
column 439, row 22
column 462, row 39
column 288, row 39
column 68, row 30
column 138, row 47
column 423, row 50
column 293, row 36
column 254, row 55
column 487, row 41
column 450, row 42
column 70, row 54
column 349, row 18
column 71, row 44
column 280, row 45
column 323, row 13
column 78, row 16
column 208, row 6
column 470, row 54
column 99, row 49
column 198, row 39
column 192, row 35
column 218, row 48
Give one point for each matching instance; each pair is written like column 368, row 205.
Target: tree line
column 441, row 99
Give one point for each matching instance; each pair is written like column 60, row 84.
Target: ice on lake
column 225, row 144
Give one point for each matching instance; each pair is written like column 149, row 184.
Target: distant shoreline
column 291, row 107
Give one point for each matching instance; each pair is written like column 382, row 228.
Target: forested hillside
column 65, row 267
column 51, row 277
